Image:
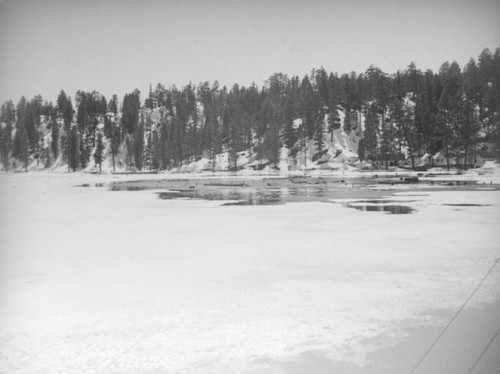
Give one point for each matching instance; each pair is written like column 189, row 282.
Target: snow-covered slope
column 339, row 150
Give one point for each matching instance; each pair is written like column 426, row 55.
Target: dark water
column 128, row 188
column 268, row 191
column 91, row 185
column 382, row 208
column 277, row 191
column 250, row 196
column 232, row 196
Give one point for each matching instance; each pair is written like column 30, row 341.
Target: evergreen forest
column 410, row 112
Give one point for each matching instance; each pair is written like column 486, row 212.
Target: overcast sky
column 115, row 46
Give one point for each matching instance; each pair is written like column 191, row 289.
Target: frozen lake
column 130, row 281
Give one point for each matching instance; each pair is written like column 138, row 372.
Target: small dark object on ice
column 411, row 180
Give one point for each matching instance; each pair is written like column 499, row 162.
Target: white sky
column 115, row 46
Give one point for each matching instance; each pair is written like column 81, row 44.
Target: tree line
column 453, row 110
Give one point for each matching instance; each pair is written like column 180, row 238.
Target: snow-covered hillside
column 339, row 151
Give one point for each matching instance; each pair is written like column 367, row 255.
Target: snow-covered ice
column 99, row 281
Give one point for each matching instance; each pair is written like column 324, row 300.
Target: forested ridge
column 411, row 111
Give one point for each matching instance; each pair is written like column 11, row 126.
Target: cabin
column 439, row 159
column 424, row 160
column 421, row 162
column 458, row 159
column 473, row 160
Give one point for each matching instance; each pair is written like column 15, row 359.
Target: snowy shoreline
column 480, row 176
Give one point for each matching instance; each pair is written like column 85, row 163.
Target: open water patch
column 355, row 193
column 256, row 202
column 381, row 206
column 127, row 188
column 231, row 196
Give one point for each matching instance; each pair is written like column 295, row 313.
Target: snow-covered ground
column 101, row 281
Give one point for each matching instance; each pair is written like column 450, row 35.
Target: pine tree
column 20, row 149
column 64, row 109
column 73, row 148
column 322, row 87
column 351, row 100
column 37, row 107
column 113, row 134
column 333, row 105
column 8, row 112
column 401, row 114
column 21, row 144
column 148, row 141
column 31, row 122
column 192, row 122
column 138, row 141
column 7, row 120
column 130, row 111
column 155, row 145
column 449, row 107
column 495, row 116
column 163, row 146
column 290, row 114
column 470, row 109
column 271, row 144
column 319, row 130
column 54, row 144
column 210, row 131
column 307, row 106
column 362, row 149
column 370, row 134
column 98, row 154
column 85, row 148
column 113, row 105
column 5, row 143
column 115, row 145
